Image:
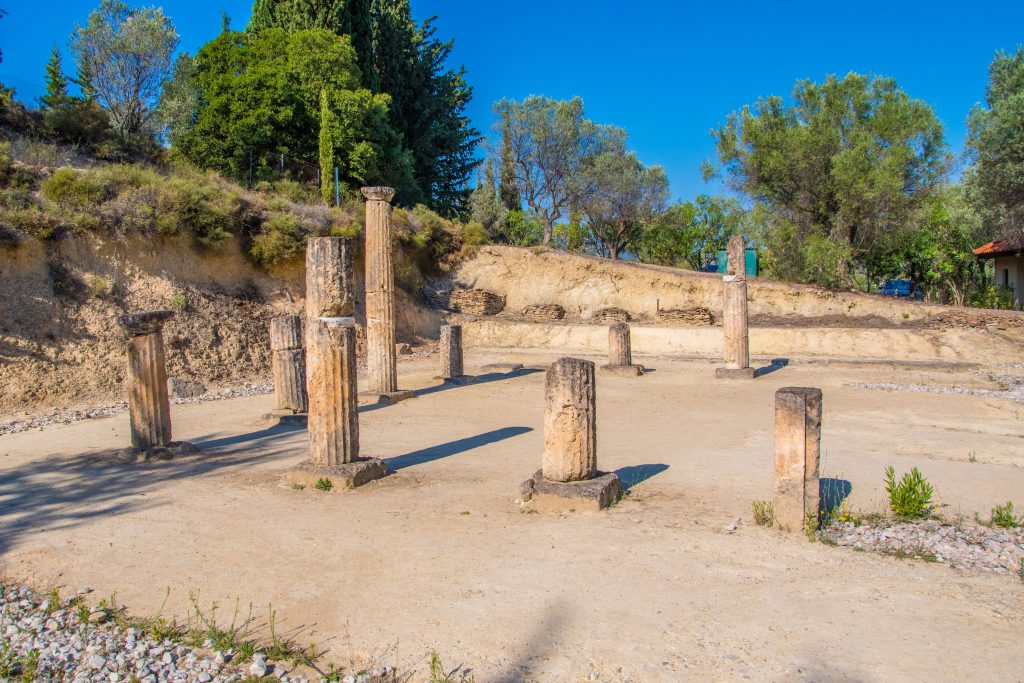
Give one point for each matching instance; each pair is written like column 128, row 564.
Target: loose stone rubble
column 1014, row 391
column 543, row 312
column 696, row 316
column 963, row 547
column 475, row 302
column 611, row 315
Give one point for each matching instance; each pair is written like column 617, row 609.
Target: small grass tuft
column 323, row 484
column 764, row 513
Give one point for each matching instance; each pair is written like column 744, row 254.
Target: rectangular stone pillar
column 333, row 395
column 797, row 452
column 149, row 405
column 734, row 313
column 381, row 362
column 450, row 352
column 288, row 362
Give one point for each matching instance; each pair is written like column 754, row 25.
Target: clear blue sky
column 665, row 71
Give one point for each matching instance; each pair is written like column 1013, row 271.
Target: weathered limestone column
column 620, row 354
column 380, row 293
column 148, row 403
column 329, row 278
column 568, row 479
column 734, row 314
column 333, row 395
column 450, row 352
column 570, row 421
column 797, row 452
column 288, row 362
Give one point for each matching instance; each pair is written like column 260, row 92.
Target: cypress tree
column 508, row 190
column 56, row 82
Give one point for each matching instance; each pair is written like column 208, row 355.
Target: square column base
column 390, row 397
column 623, row 370
column 734, row 373
column 347, row 476
column 589, row 495
column 288, row 417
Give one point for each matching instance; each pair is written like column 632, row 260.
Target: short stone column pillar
column 568, row 479
column 149, row 405
column 382, row 373
column 734, row 314
column 797, row 453
column 333, row 395
column 329, row 278
column 620, row 354
column 288, row 362
column 450, row 353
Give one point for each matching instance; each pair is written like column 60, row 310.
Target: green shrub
column 71, row 189
column 911, row 496
column 323, row 484
column 193, row 207
column 1002, row 516
column 521, row 230
column 31, row 221
column 281, row 239
column 473, row 233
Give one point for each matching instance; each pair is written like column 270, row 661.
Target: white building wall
column 1010, row 272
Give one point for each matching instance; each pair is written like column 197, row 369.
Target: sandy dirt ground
column 439, row 555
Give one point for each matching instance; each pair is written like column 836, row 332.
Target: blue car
column 900, row 289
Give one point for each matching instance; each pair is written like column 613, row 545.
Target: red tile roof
column 1008, row 244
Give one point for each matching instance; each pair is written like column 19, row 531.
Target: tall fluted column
column 797, row 453
column 148, row 403
column 288, row 362
column 333, row 395
column 570, row 421
column 737, row 348
column 380, row 292
column 450, row 352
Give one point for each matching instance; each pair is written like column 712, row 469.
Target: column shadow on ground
column 445, row 450
column 478, row 379
column 637, row 474
column 832, row 492
column 775, row 365
column 268, row 433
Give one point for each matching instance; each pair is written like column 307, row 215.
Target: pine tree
column 83, row 79
column 56, row 82
column 508, row 190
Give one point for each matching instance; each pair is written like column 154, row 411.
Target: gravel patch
column 65, row 417
column 1014, row 391
column 963, row 547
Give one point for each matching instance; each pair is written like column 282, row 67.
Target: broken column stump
column 329, row 278
column 734, row 315
column 381, row 361
column 620, row 354
column 149, row 405
column 568, row 479
column 797, row 453
column 288, row 362
column 333, row 409
column 449, row 350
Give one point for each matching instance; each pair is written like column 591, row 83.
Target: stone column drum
column 620, row 354
column 382, row 375
column 329, row 285
column 288, row 361
column 570, row 421
column 734, row 314
column 149, row 406
column 797, row 453
column 450, row 352
column 333, row 395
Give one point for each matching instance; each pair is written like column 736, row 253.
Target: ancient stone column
column 737, row 349
column 797, row 451
column 380, row 293
column 619, row 352
column 288, row 362
column 570, row 421
column 329, row 286
column 450, row 351
column 149, row 406
column 333, row 395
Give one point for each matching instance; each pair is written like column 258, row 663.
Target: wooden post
column 381, row 359
column 149, row 405
column 797, row 454
column 288, row 363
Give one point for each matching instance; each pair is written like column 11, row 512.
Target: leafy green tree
column 56, row 82
column 846, row 163
column 485, row 208
column 996, row 143
column 692, row 233
column 127, row 55
column 620, row 195
column 551, row 141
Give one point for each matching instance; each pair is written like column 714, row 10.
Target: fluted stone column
column 149, row 405
column 734, row 314
column 570, row 421
column 329, row 278
column 568, row 479
column 382, row 374
column 797, row 453
column 333, row 395
column 620, row 354
column 450, row 352
column 288, row 361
